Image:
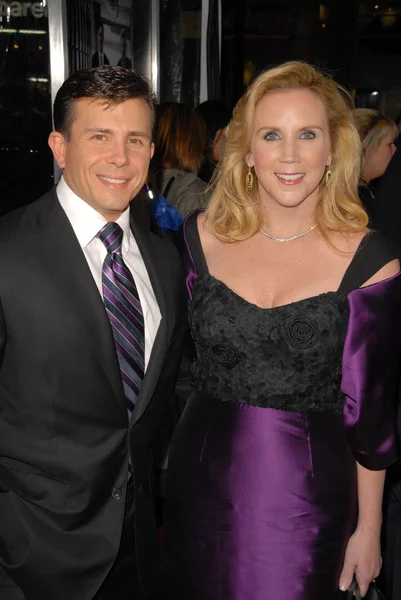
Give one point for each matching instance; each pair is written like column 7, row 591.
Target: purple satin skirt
column 260, row 504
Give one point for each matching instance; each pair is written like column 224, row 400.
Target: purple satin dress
column 261, row 490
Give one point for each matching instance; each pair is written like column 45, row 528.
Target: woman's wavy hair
column 180, row 138
column 234, row 213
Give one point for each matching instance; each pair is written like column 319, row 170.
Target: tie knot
column 112, row 237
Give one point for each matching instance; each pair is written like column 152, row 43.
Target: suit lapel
column 158, row 275
column 57, row 248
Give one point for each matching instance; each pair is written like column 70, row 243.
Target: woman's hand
column 363, row 558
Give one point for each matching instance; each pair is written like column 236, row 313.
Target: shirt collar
column 85, row 220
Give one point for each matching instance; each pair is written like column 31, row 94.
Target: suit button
column 116, row 494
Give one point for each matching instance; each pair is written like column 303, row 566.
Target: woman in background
column 179, row 145
column 378, row 135
column 295, row 317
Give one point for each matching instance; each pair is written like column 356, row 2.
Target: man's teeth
column 290, row 177
column 110, row 180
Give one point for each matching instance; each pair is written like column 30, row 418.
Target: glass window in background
column 26, row 166
column 180, row 50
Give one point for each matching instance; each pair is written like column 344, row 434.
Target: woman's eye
column 308, row 135
column 271, row 135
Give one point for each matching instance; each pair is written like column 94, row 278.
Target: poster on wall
column 113, row 29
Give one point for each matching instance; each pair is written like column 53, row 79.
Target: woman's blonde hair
column 373, row 127
column 180, row 139
column 234, row 213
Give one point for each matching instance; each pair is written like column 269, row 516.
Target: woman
column 180, row 142
column 288, row 290
column 378, row 136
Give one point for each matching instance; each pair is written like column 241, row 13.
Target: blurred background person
column 180, row 143
column 216, row 117
column 378, row 136
column 99, row 58
column 398, row 122
column 124, row 60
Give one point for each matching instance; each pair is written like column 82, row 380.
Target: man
column 124, row 60
column 99, row 58
column 92, row 315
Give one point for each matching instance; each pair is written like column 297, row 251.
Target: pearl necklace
column 289, row 239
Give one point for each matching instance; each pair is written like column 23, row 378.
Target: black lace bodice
column 287, row 357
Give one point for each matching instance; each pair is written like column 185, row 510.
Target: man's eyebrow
column 139, row 134
column 144, row 134
column 96, row 130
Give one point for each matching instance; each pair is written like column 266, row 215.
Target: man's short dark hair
column 111, row 84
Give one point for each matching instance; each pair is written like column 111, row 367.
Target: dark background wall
column 358, row 41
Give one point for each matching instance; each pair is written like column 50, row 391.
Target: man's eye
column 99, row 136
column 308, row 135
column 136, row 141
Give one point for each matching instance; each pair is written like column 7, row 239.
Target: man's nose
column 119, row 153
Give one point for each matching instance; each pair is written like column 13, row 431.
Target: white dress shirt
column 86, row 223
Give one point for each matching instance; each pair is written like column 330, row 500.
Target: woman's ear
column 249, row 160
column 329, row 160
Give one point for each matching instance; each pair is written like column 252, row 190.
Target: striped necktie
column 124, row 310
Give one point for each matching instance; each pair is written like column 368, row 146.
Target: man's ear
column 57, row 143
column 152, row 150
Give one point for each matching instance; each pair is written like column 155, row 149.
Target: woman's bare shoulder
column 207, row 238
column 348, row 243
column 389, row 270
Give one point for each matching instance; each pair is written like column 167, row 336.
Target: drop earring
column 249, row 179
column 329, row 177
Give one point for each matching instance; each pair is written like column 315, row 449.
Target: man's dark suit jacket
column 95, row 59
column 64, row 431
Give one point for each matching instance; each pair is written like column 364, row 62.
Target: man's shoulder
column 26, row 217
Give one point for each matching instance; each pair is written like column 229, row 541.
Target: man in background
column 99, row 58
column 124, row 60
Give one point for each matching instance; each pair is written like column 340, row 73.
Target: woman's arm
column 370, row 384
column 362, row 556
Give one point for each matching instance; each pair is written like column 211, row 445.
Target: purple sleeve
column 371, row 372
